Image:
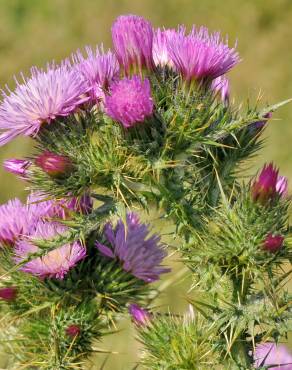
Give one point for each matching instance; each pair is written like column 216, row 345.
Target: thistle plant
column 148, row 125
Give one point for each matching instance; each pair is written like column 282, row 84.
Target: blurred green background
column 33, row 32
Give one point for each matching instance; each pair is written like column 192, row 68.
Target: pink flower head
column 8, row 294
column 201, row 56
column 46, row 95
column 15, row 221
column 160, row 47
column 130, row 101
column 273, row 243
column 55, row 165
column 54, row 264
column 265, row 187
column 73, row 330
column 140, row 316
column 18, row 167
column 132, row 38
column 138, row 253
column 99, row 69
column 220, row 86
column 270, row 354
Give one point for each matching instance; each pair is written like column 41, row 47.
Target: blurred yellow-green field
column 33, row 32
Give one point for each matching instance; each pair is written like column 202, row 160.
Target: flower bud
column 140, row 316
column 8, row 294
column 268, row 185
column 73, row 330
column 53, row 164
column 273, row 243
column 18, row 167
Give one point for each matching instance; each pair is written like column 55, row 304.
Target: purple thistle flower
column 46, row 95
column 273, row 243
column 15, row 221
column 54, row 264
column 268, row 185
column 18, row 167
column 201, row 56
column 132, row 38
column 220, row 86
column 8, row 294
column 99, row 69
column 54, row 165
column 139, row 254
column 130, row 101
column 140, row 316
column 160, row 48
column 270, row 354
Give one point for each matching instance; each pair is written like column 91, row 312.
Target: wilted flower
column 270, row 354
column 73, row 330
column 201, row 56
column 130, row 101
column 18, row 167
column 273, row 243
column 15, row 221
column 98, row 68
column 8, row 294
column 83, row 204
column 51, row 208
column 220, row 86
column 268, row 184
column 258, row 125
column 132, row 38
column 160, row 47
column 138, row 253
column 55, row 165
column 139, row 315
column 46, row 95
column 54, row 264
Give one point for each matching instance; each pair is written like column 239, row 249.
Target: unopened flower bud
column 268, row 185
column 140, row 316
column 18, row 167
column 273, row 243
column 73, row 330
column 53, row 164
column 8, row 294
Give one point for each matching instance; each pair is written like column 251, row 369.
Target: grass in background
column 33, row 32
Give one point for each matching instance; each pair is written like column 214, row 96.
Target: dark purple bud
column 73, row 330
column 53, row 164
column 273, row 243
column 8, row 294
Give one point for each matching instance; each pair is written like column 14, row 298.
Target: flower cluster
column 149, row 122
